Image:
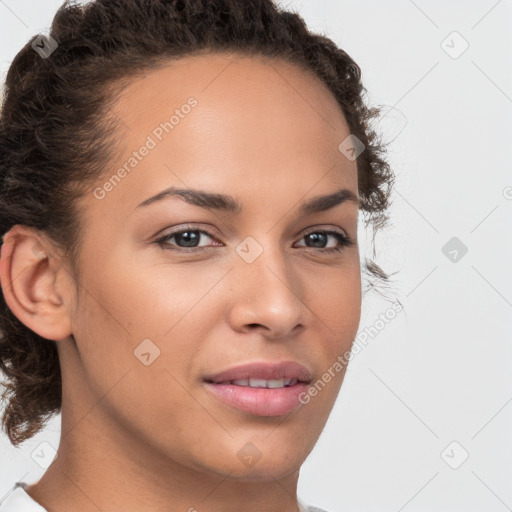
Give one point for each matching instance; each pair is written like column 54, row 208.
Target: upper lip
column 263, row 370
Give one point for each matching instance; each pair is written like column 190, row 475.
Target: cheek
column 132, row 314
column 135, row 373
column 337, row 298
column 341, row 309
column 338, row 306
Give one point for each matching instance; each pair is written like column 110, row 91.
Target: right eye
column 186, row 239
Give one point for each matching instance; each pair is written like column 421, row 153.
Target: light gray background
column 440, row 372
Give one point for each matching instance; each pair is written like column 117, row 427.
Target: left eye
column 190, row 237
column 319, row 237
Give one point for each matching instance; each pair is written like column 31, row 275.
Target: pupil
column 318, row 238
column 188, row 239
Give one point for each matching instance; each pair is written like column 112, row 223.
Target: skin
column 137, row 437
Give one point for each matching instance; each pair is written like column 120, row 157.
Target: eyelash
column 344, row 240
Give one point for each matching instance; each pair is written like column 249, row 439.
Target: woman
column 181, row 185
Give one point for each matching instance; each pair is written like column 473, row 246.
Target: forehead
column 234, row 122
column 268, row 98
column 226, row 78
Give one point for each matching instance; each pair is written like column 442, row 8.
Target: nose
column 266, row 296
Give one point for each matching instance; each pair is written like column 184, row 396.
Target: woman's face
column 157, row 321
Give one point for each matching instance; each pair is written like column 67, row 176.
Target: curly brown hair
column 56, row 136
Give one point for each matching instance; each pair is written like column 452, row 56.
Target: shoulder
column 18, row 500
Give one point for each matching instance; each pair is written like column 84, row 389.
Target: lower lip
column 259, row 401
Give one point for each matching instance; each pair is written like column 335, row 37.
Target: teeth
column 257, row 383
column 277, row 383
column 263, row 383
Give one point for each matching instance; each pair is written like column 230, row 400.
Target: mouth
column 260, row 383
column 262, row 388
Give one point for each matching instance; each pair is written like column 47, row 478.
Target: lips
column 261, row 389
column 264, row 371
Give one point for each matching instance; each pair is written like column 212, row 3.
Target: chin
column 250, row 464
column 263, row 472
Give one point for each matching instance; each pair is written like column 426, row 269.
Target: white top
column 18, row 500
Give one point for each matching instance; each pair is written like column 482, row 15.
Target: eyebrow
column 229, row 204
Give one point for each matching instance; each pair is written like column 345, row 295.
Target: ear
column 35, row 283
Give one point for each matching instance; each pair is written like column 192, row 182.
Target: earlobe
column 29, row 274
